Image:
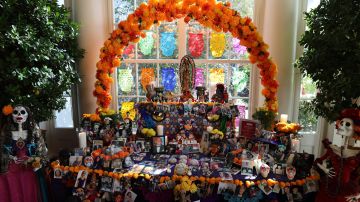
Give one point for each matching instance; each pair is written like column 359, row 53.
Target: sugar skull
column 20, row 114
column 290, row 172
column 264, row 170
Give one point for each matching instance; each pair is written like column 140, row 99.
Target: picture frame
column 140, row 145
column 106, row 184
column 158, row 144
column 122, row 141
column 116, row 164
column 81, row 179
column 97, row 144
column 75, row 160
column 58, row 173
column 115, row 146
column 246, row 168
column 147, row 146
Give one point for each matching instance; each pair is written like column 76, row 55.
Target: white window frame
column 253, row 77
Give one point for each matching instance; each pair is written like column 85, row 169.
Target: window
column 218, row 57
column 307, row 118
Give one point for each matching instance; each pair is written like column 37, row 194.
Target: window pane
column 147, row 46
column 312, row 4
column 243, row 106
column 147, row 76
column 64, row 118
column 236, row 51
column 169, row 77
column 196, row 40
column 245, row 7
column 126, row 99
column 126, row 79
column 200, row 75
column 129, row 51
column 307, row 118
column 240, row 80
column 122, row 8
column 308, row 88
column 168, row 41
column 217, row 45
column 218, row 73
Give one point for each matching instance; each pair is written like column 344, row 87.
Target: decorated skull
column 290, row 172
column 264, row 170
column 20, row 114
column 345, row 127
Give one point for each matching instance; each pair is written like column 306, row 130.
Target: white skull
column 20, row 114
column 264, row 170
column 346, row 127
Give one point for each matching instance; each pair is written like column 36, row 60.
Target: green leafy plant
column 265, row 117
column 38, row 48
column 307, row 118
column 332, row 55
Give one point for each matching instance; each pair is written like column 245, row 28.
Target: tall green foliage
column 332, row 55
column 38, row 51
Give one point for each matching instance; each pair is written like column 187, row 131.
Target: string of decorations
column 133, row 28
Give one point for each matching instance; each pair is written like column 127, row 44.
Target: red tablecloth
column 19, row 184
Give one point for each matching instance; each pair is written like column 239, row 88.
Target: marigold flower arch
column 216, row 15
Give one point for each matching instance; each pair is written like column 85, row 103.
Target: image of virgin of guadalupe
column 23, row 138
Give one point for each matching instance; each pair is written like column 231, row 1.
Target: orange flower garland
column 7, row 110
column 213, row 14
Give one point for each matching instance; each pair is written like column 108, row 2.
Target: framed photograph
column 75, row 160
column 130, row 196
column 226, row 188
column 158, row 144
column 246, row 168
column 58, row 173
column 122, row 141
column 97, row 144
column 226, row 176
column 117, row 187
column 116, row 163
column 106, row 184
column 263, row 149
column 106, row 163
column 81, row 179
column 140, row 145
column 79, row 152
column 147, row 147
column 115, row 146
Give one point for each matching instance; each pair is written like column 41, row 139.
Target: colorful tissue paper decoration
column 128, row 110
column 168, row 79
column 126, row 80
column 239, row 79
column 147, row 76
column 217, row 44
column 167, row 43
column 237, row 47
column 217, row 75
column 199, row 77
column 146, row 44
column 196, row 44
column 134, row 28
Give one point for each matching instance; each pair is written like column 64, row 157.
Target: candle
column 82, row 139
column 283, row 118
column 295, row 145
column 160, row 130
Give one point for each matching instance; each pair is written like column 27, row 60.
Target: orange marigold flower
column 7, row 110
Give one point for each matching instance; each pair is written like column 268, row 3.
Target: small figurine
column 221, row 95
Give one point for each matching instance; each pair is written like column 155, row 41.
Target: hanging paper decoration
column 128, row 110
column 239, row 79
column 187, row 73
column 168, row 78
column 147, row 44
column 147, row 76
column 167, row 43
column 217, row 75
column 129, row 49
column 217, row 44
column 196, row 44
column 199, row 77
column 126, row 80
column 237, row 47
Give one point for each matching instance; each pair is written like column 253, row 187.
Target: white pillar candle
column 82, row 139
column 160, row 130
column 283, row 118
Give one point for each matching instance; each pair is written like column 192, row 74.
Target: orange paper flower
column 7, row 110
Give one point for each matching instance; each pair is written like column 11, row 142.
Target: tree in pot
column 332, row 56
column 38, row 48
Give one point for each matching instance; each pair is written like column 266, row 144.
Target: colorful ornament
column 217, row 75
column 147, row 76
column 128, row 110
column 167, row 43
column 126, row 80
column 147, row 44
column 199, row 77
column 196, row 44
column 217, row 44
column 168, row 78
column 237, row 47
